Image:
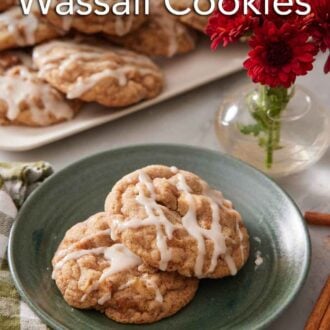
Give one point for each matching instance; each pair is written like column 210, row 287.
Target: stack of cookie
column 162, row 231
column 76, row 58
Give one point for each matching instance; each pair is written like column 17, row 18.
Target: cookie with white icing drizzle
column 110, row 24
column 94, row 272
column 106, row 75
column 193, row 20
column 161, row 35
column 17, row 30
column 11, row 58
column 27, row 100
column 174, row 221
column 5, row 4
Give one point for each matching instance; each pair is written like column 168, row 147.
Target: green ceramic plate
column 250, row 300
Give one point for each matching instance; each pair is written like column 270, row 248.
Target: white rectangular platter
column 182, row 74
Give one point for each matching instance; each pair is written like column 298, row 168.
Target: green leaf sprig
column 266, row 110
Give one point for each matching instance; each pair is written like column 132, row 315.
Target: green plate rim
column 54, row 324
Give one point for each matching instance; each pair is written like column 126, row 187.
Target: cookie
column 5, row 4
column 27, row 100
column 94, row 272
column 106, row 75
column 161, row 35
column 194, row 20
column 17, row 30
column 110, row 24
column 10, row 59
column 175, row 222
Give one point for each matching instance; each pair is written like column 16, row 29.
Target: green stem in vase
column 278, row 131
column 270, row 148
column 266, row 109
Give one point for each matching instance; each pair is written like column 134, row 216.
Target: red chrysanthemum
column 320, row 28
column 321, row 24
column 279, row 54
column 224, row 29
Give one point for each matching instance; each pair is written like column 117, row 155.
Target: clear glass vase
column 279, row 131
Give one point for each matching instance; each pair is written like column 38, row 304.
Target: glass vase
column 280, row 131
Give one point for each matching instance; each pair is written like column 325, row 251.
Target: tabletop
column 189, row 119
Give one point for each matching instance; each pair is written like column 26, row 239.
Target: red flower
column 279, row 54
column 224, row 29
column 321, row 9
column 321, row 26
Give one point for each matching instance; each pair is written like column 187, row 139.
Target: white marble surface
column 189, row 119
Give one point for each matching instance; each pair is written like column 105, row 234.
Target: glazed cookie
column 108, row 76
column 175, row 222
column 192, row 19
column 5, row 4
column 10, row 59
column 161, row 35
column 17, row 30
column 27, row 100
column 93, row 272
column 109, row 24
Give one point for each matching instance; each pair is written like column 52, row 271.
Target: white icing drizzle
column 155, row 217
column 119, row 257
column 75, row 256
column 64, row 252
column 67, row 22
column 24, row 87
column 123, row 24
column 189, row 222
column 146, row 180
column 17, row 23
column 80, row 53
column 214, row 234
column 127, row 284
column 151, row 283
column 104, row 299
column 164, row 228
column 217, row 196
column 168, row 24
column 83, row 85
